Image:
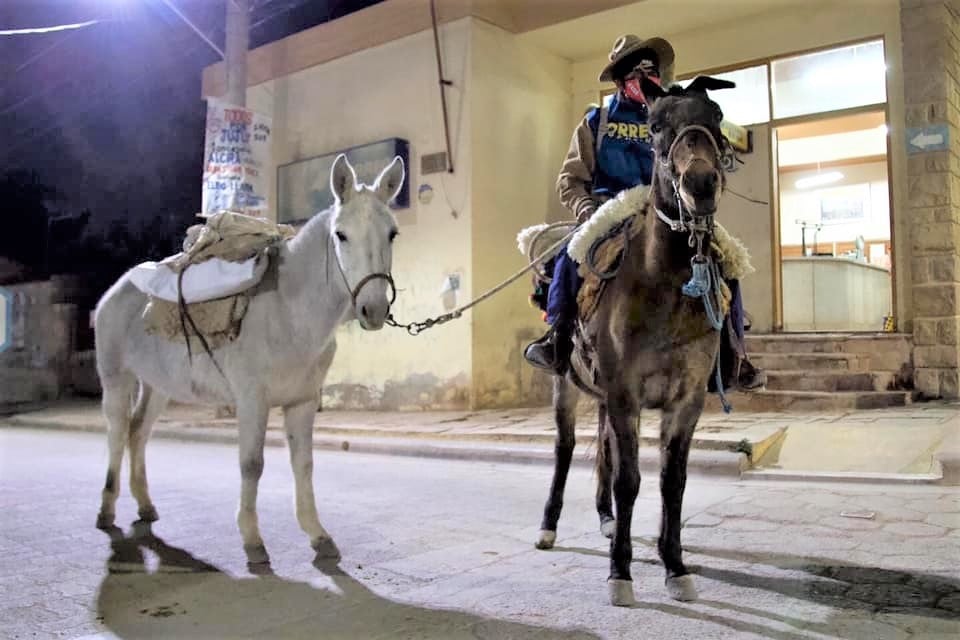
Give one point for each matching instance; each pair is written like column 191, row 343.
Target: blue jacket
column 626, row 154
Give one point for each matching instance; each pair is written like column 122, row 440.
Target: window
column 748, row 102
column 829, row 80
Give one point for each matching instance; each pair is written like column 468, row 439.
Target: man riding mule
column 652, row 339
column 611, row 152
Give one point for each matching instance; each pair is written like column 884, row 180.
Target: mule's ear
column 651, row 90
column 390, row 180
column 343, row 180
column 707, row 83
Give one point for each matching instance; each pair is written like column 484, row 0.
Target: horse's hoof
column 142, row 529
column 621, row 593
column 105, row 520
column 546, row 539
column 325, row 548
column 682, row 588
column 256, row 554
column 149, row 514
column 608, row 528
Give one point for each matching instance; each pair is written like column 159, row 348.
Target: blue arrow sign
column 6, row 319
column 933, row 137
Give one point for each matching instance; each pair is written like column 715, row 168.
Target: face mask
column 633, row 89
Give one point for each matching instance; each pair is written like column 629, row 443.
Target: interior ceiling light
column 818, row 180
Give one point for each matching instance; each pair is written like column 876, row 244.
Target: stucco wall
column 521, row 130
column 392, row 91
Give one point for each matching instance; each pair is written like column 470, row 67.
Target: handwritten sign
column 6, row 319
column 236, row 159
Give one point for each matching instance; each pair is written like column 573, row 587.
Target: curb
column 704, row 462
column 777, row 475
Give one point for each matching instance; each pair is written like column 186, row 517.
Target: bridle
column 687, row 221
column 355, row 291
column 704, row 283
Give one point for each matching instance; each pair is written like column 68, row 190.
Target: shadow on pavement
column 826, row 582
column 184, row 597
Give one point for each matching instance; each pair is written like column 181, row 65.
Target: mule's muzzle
column 372, row 299
column 373, row 315
column 700, row 188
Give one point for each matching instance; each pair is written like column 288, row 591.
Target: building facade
column 848, row 199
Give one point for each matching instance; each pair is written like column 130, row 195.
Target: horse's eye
column 341, row 236
column 655, row 127
column 393, row 235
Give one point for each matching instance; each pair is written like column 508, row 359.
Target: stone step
column 899, row 343
column 808, row 361
column 809, row 401
column 799, row 380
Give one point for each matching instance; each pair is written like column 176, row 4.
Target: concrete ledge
column 842, row 476
column 949, row 458
column 702, row 462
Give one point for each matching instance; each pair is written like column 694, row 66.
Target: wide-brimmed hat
column 630, row 44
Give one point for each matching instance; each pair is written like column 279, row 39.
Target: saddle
column 599, row 246
column 601, row 263
column 238, row 252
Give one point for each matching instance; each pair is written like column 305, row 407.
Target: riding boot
column 552, row 351
column 750, row 378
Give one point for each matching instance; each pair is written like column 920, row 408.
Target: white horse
column 335, row 269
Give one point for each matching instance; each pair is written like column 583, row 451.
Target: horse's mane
column 319, row 222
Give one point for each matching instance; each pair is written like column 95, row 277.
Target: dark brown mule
column 652, row 341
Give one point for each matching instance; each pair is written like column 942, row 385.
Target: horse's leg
column 252, row 413
column 565, row 396
column 608, row 524
column 676, row 432
column 298, row 423
column 326, row 360
column 117, row 401
column 149, row 407
column 626, row 486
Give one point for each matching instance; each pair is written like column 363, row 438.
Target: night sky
column 110, row 115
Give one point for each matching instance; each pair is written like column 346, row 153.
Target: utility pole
column 235, row 61
column 235, row 58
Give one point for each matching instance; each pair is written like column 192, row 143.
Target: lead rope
column 416, row 328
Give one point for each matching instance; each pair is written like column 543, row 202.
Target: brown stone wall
column 931, row 60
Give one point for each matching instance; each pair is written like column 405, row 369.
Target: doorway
column 834, row 222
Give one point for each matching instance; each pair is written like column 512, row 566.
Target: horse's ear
column 708, row 83
column 390, row 180
column 651, row 90
column 343, row 180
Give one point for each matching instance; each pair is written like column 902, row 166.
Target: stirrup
column 544, row 353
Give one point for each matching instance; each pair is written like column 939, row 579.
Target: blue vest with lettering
column 626, row 155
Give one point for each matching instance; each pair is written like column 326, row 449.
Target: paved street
column 444, row 549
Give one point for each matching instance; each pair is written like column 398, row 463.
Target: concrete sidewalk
column 895, row 444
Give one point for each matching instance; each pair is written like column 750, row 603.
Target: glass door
column 834, row 219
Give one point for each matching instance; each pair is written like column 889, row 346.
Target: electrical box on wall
column 433, row 163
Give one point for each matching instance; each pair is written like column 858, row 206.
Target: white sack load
column 213, row 278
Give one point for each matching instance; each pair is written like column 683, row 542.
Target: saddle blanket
column 219, row 321
column 731, row 254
